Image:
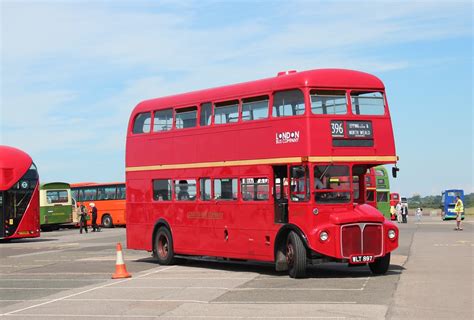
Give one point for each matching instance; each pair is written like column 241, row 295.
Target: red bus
column 394, row 199
column 19, row 195
column 109, row 199
column 264, row 171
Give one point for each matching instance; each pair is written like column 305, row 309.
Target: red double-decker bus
column 19, row 195
column 263, row 170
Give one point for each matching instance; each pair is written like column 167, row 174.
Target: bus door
column 299, row 194
column 280, row 193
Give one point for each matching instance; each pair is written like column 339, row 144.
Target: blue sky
column 72, row 71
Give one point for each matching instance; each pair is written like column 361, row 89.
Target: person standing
column 459, row 209
column 82, row 218
column 94, row 217
column 399, row 212
column 404, row 213
column 419, row 214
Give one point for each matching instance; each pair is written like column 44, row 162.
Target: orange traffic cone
column 120, row 269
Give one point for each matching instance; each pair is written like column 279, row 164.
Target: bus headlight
column 323, row 236
column 391, row 234
column 315, row 211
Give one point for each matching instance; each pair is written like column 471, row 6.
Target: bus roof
column 13, row 165
column 320, row 78
column 54, row 185
column 94, row 184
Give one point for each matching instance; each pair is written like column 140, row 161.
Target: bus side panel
column 139, row 230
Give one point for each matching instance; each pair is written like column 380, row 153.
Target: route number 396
column 337, row 129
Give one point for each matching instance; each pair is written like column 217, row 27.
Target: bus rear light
column 324, row 236
column 391, row 234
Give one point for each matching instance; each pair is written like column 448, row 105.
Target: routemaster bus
column 55, row 205
column 109, row 199
column 383, row 190
column 394, row 198
column 19, row 195
column 448, row 202
column 263, row 171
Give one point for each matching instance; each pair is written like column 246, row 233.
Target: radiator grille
column 361, row 238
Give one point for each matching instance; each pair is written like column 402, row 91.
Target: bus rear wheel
column 380, row 265
column 295, row 256
column 163, row 247
column 107, row 221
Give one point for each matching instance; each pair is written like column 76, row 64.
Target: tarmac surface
column 66, row 275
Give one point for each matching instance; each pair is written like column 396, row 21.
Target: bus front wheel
column 295, row 256
column 163, row 246
column 380, row 265
column 107, row 221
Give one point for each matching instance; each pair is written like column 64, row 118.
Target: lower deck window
column 225, row 189
column 254, row 189
column 162, row 189
column 185, row 190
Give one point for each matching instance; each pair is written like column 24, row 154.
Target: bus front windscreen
column 332, row 184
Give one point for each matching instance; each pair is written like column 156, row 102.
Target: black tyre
column 380, row 265
column 107, row 221
column 163, row 247
column 295, row 256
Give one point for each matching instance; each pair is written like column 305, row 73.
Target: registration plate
column 361, row 259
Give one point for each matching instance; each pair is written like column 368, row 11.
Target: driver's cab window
column 332, row 184
column 299, row 183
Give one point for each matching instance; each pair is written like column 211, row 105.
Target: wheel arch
column 158, row 224
column 283, row 234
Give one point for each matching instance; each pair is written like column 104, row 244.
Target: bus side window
column 206, row 114
column 288, row 103
column 226, row 112
column 162, row 189
column 255, row 108
column 254, row 189
column 186, row 117
column 142, row 123
column 185, row 190
column 225, row 189
column 163, row 120
column 205, row 189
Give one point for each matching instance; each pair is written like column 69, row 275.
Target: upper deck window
column 328, row 102
column 206, row 114
column 142, row 123
column 226, row 112
column 186, row 117
column 368, row 103
column 288, row 103
column 255, row 108
column 163, row 120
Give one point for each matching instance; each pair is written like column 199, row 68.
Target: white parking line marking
column 49, row 279
column 173, row 316
column 85, row 291
column 208, row 302
column 51, row 274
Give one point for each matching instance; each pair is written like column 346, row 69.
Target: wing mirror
column 395, row 171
